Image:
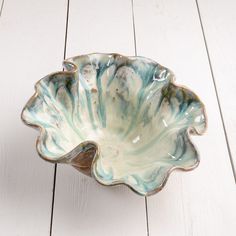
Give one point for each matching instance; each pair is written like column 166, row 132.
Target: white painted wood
column 82, row 206
column 219, row 21
column 201, row 202
column 31, row 46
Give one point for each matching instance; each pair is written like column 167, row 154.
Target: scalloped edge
column 190, row 130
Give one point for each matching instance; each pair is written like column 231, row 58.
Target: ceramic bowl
column 121, row 120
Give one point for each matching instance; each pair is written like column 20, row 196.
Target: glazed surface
column 129, row 108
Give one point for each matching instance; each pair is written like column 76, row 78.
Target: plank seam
column 67, row 22
column 134, row 32
column 55, row 165
column 147, row 220
column 1, row 9
column 135, row 50
column 216, row 92
column 53, row 197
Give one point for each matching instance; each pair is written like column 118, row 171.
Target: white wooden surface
column 219, row 20
column 31, row 45
column 200, row 203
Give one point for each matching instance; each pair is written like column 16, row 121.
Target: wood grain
column 31, row 46
column 82, row 206
column 201, row 202
column 219, row 20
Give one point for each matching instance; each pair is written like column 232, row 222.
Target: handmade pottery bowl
column 119, row 119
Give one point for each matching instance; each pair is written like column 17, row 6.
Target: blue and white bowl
column 120, row 119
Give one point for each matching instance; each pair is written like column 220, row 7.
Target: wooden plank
column 201, row 202
column 31, row 46
column 219, row 26
column 82, row 206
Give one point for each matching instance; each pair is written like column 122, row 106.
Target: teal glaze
column 128, row 108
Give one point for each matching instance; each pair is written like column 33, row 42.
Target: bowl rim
column 190, row 130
